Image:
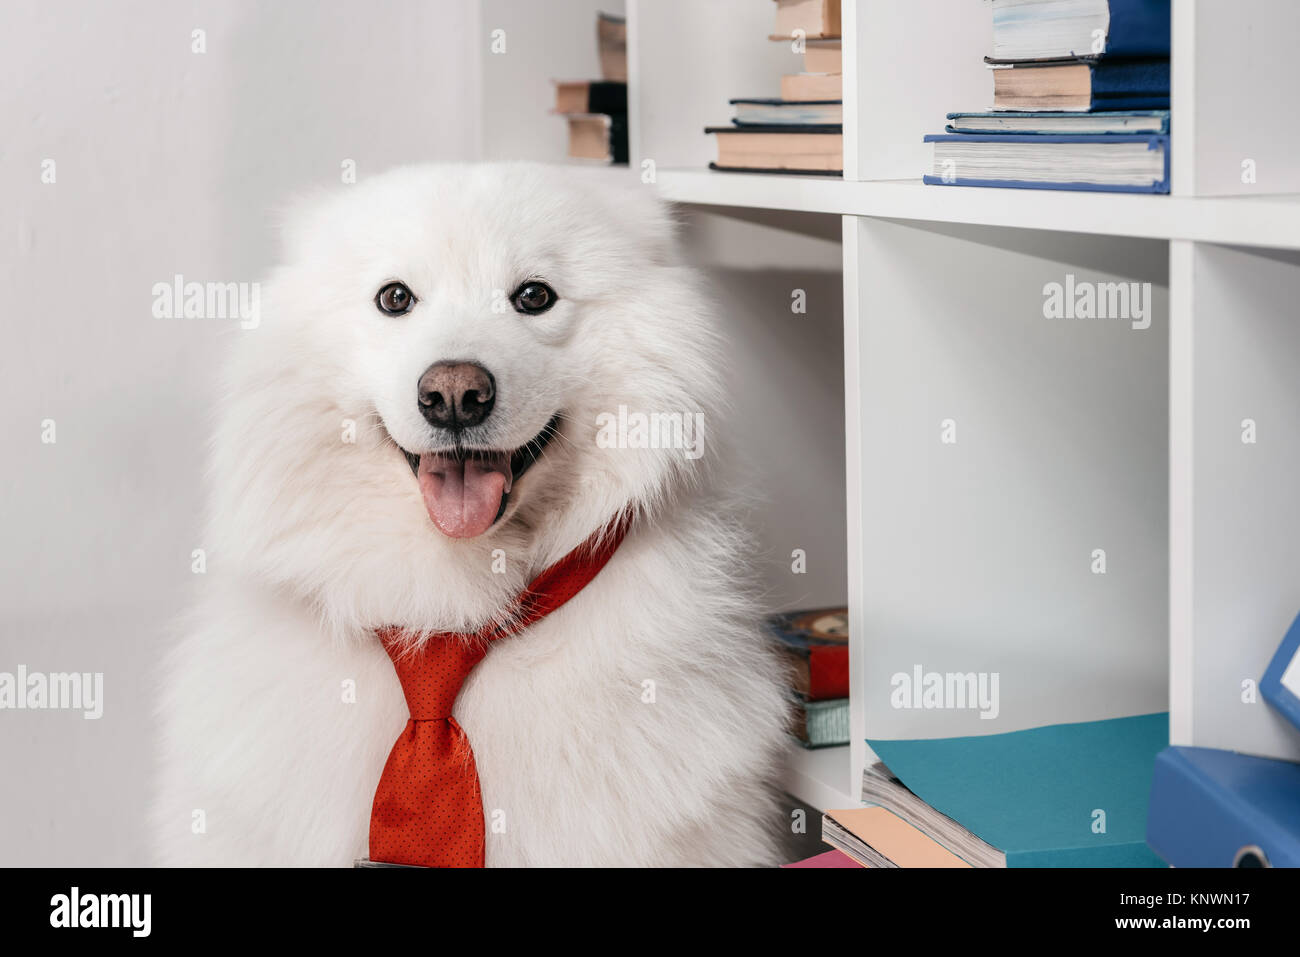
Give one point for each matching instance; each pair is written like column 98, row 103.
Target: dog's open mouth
column 467, row 490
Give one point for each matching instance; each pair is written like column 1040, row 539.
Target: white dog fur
column 315, row 541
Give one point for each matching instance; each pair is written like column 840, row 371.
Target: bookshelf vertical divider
column 854, row 148
column 1234, row 343
column 1182, row 90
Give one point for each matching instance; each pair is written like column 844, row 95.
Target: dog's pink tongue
column 463, row 496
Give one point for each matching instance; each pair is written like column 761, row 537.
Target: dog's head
column 460, row 359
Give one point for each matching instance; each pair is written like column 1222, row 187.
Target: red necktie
column 428, row 809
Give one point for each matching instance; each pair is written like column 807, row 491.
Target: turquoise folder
column 1035, row 794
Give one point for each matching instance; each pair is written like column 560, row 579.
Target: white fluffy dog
column 638, row 724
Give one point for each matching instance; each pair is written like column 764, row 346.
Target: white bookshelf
column 976, row 557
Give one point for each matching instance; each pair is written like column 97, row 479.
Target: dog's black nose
column 456, row 395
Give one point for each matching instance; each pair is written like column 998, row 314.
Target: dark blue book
column 1107, row 162
column 1280, row 685
column 1051, row 29
column 1083, row 86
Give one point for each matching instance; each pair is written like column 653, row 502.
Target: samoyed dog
column 636, row 725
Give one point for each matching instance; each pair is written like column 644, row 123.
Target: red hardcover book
column 817, row 644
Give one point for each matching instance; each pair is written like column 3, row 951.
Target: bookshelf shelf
column 1264, row 221
column 820, row 777
column 810, row 194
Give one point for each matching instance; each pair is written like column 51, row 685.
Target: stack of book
column 597, row 109
column 816, row 646
column 801, row 132
column 1080, row 101
column 1066, row 795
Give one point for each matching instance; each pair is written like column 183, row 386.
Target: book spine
column 1138, row 28
column 606, row 97
column 618, row 148
column 1133, row 78
column 826, row 723
column 828, row 672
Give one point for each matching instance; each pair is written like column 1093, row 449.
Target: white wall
column 980, row 547
column 693, row 57
column 786, row 385
column 168, row 161
column 787, row 368
column 1233, row 86
column 517, row 93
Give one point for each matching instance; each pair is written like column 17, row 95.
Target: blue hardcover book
column 1064, row 795
column 1212, row 808
column 1107, row 162
column 1280, row 685
column 1048, row 29
column 1129, row 84
column 1138, row 28
column 1057, row 123
column 1083, row 85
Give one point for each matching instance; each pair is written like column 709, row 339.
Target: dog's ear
column 648, row 221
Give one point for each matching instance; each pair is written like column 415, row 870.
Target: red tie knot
column 432, row 672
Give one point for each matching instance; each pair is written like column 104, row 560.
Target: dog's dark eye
column 533, row 297
column 395, row 299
